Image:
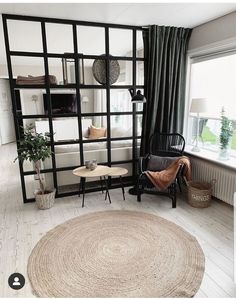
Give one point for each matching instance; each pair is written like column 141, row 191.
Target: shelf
column 58, row 86
column 73, row 86
column 43, row 86
column 33, row 86
column 32, row 116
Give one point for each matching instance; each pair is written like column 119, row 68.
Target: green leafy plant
column 34, row 148
column 226, row 131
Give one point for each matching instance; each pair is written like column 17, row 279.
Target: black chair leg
column 174, row 194
column 174, row 202
column 139, row 196
column 139, row 192
column 179, row 185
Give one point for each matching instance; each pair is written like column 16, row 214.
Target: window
column 213, row 79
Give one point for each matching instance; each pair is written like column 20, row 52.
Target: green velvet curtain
column 165, row 50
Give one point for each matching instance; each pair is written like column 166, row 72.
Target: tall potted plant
column 226, row 132
column 33, row 147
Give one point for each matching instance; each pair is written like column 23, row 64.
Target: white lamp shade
column 85, row 99
column 198, row 105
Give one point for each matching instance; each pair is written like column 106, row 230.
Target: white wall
column 7, row 130
column 215, row 31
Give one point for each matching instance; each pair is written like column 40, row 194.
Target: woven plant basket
column 45, row 201
column 199, row 194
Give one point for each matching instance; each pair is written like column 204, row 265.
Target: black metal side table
column 100, row 171
column 117, row 172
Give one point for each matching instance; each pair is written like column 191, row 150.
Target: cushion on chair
column 157, row 163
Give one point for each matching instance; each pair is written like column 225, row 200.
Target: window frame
column 204, row 53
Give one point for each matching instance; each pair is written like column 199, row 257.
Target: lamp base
column 195, row 149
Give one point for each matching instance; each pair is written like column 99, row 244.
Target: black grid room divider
column 77, row 86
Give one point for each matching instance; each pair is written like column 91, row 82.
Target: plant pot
column 46, row 200
column 224, row 154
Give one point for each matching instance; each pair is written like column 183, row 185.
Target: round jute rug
column 116, row 254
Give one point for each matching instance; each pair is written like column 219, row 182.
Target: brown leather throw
column 163, row 179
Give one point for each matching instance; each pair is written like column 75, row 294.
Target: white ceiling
column 172, row 14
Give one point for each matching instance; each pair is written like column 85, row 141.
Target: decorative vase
column 224, row 153
column 93, row 164
column 225, row 137
column 87, row 164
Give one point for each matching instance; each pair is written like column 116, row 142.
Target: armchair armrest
column 143, row 163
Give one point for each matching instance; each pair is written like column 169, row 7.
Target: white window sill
column 211, row 156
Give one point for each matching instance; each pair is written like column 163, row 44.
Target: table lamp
column 198, row 105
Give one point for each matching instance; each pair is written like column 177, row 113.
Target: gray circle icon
column 16, row 281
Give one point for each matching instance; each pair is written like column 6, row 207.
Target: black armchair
column 164, row 149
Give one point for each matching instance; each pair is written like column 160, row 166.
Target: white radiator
column 225, row 185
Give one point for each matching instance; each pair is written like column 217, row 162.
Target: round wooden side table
column 100, row 171
column 118, row 172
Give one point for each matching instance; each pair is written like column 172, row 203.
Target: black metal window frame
column 77, row 86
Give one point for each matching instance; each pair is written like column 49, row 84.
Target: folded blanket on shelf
column 22, row 80
column 163, row 179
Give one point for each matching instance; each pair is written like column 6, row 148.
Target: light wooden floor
column 21, row 227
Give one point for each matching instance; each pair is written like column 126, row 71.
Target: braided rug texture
column 116, row 254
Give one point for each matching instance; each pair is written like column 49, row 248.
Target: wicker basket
column 199, row 194
column 45, row 201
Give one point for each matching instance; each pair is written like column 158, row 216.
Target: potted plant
column 226, row 132
column 34, row 148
